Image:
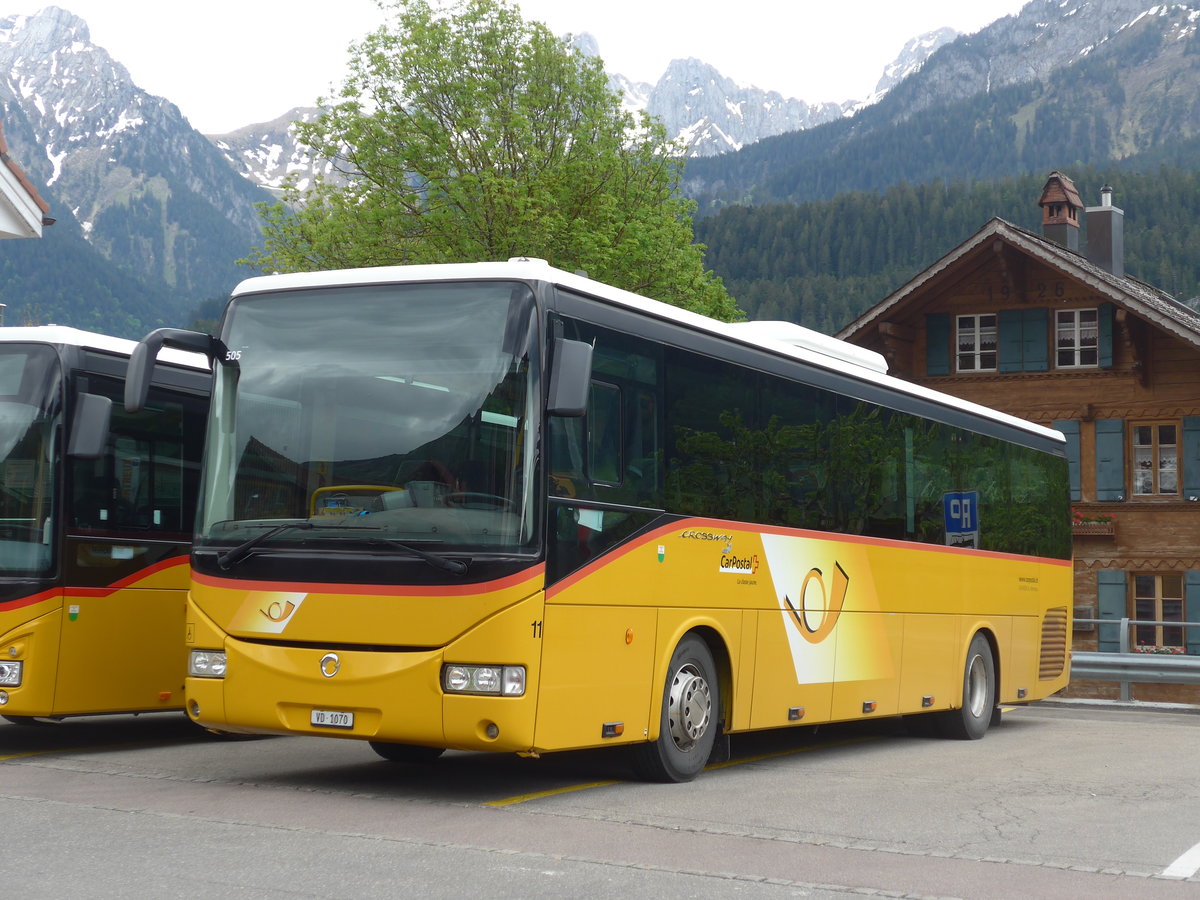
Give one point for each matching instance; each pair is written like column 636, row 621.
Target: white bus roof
column 90, row 340
column 781, row 338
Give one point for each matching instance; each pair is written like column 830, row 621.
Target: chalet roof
column 1151, row 304
column 22, row 209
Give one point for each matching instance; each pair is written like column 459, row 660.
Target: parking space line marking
column 1186, row 866
column 538, row 795
column 522, row 798
column 91, row 748
column 44, row 752
column 792, row 752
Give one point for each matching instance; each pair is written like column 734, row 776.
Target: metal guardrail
column 1127, row 667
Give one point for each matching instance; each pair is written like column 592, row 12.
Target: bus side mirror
column 141, row 361
column 89, row 427
column 570, row 377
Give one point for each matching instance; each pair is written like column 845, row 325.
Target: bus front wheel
column 688, row 727
column 971, row 721
column 406, row 753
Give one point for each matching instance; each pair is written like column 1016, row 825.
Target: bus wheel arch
column 980, row 691
column 692, row 712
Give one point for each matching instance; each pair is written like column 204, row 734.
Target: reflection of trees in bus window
column 143, row 481
column 604, row 433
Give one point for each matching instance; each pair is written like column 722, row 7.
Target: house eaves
column 22, row 210
column 1151, row 304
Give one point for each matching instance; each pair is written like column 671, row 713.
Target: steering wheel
column 478, row 500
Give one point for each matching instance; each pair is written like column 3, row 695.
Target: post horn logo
column 330, row 664
column 817, row 618
column 279, row 612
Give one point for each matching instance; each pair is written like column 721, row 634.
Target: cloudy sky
column 229, row 63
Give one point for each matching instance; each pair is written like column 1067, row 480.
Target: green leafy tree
column 465, row 133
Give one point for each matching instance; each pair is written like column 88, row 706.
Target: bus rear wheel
column 406, row 753
column 971, row 721
column 690, row 717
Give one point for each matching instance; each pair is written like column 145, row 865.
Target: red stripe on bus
column 728, row 526
column 32, row 599
column 397, row 590
column 129, row 580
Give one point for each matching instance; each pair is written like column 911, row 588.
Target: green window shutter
column 1010, row 340
column 1191, row 458
column 1070, row 428
column 937, row 351
column 1112, row 603
column 1110, row 459
column 1104, row 319
column 1034, row 351
column 1191, row 611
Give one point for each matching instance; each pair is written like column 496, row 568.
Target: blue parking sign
column 961, row 512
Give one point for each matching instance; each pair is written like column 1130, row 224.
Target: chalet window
column 1158, row 598
column 1076, row 338
column 1155, row 458
column 976, row 343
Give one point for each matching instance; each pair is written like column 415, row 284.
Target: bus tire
column 971, row 721
column 406, row 753
column 690, row 717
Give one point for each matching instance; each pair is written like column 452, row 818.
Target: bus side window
column 566, row 457
column 604, row 433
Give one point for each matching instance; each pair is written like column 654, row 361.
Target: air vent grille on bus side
column 1054, row 644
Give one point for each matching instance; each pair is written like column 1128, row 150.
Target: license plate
column 329, row 718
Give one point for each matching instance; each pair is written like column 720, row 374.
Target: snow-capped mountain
column 912, row 57
column 266, row 153
column 151, row 193
column 703, row 110
column 709, row 113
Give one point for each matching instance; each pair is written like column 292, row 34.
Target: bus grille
column 1054, row 644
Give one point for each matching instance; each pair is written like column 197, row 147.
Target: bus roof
column 65, row 336
column 781, row 338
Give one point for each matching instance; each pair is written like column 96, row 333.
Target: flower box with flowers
column 1092, row 523
column 1152, row 648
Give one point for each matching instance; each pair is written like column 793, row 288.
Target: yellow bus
column 499, row 506
column 96, row 514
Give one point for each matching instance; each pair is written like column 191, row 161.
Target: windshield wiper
column 241, row 551
column 235, row 554
column 453, row 566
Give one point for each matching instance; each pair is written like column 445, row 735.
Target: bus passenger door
column 129, row 520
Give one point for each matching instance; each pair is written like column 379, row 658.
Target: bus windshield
column 30, row 404
column 384, row 417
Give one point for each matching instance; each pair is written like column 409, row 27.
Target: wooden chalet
column 1028, row 324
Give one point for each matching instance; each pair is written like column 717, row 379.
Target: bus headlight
column 10, row 673
column 504, row 681
column 206, row 663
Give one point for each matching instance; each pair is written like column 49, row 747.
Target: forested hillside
column 62, row 279
column 1138, row 96
column 824, row 263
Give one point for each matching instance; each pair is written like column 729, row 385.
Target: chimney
column 1060, row 205
column 1106, row 234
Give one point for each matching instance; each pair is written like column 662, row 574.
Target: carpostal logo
column 738, row 565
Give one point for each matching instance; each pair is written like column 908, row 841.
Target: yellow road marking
column 47, row 752
column 792, row 752
column 91, row 748
column 522, row 798
column 538, row 795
